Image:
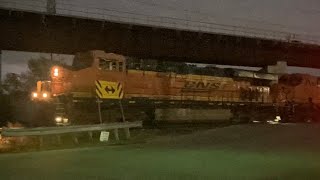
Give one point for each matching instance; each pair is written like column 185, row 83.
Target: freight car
column 137, row 89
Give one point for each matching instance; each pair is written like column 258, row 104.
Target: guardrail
column 43, row 131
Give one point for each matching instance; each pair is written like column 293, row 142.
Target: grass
column 227, row 153
column 132, row 162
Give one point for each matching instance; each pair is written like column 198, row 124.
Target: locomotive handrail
column 40, row 131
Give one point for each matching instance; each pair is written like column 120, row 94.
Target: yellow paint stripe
column 98, row 93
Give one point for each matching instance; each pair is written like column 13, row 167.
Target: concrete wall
column 280, row 68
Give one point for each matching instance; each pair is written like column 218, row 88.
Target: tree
column 17, row 87
column 5, row 109
column 38, row 69
column 12, row 83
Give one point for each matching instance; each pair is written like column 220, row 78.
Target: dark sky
column 16, row 61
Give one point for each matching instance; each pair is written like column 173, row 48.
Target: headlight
column 34, row 95
column 44, row 95
column 56, row 72
column 58, row 119
column 65, row 120
column 278, row 118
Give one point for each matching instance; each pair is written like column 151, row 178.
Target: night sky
column 16, row 61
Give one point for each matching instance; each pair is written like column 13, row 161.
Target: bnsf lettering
column 190, row 85
column 201, row 85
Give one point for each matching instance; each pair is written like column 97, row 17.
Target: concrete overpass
column 63, row 27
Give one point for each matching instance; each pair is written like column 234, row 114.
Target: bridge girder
column 23, row 31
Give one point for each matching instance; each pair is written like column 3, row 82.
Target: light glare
column 58, row 119
column 56, row 72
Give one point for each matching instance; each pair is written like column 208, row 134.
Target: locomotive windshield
column 82, row 61
column 46, row 86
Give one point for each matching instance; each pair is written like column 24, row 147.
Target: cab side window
column 105, row 64
column 121, row 66
column 114, row 65
column 110, row 65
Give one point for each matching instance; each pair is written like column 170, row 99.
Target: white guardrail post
column 42, row 131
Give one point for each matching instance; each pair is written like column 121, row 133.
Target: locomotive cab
column 109, row 66
column 43, row 91
column 87, row 67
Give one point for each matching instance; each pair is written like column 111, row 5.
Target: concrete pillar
column 279, row 68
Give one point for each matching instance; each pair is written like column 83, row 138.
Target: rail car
column 137, row 89
column 297, row 97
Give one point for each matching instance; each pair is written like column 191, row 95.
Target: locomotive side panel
column 297, row 88
column 98, row 65
column 171, row 86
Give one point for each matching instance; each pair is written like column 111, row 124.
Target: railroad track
column 188, row 125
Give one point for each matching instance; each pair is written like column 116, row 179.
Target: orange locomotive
column 148, row 85
column 298, row 97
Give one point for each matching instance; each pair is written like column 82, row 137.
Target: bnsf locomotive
column 138, row 88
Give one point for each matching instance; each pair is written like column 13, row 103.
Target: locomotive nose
column 59, row 77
